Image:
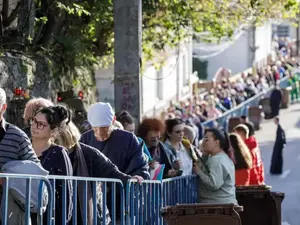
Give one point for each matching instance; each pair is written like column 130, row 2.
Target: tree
column 75, row 34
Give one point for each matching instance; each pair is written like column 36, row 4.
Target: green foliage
column 77, row 35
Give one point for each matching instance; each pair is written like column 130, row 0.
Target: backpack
column 17, row 186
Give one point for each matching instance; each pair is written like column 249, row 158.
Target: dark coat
column 99, row 166
column 125, row 151
column 277, row 155
column 275, row 101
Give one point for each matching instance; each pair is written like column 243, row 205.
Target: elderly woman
column 151, row 130
column 30, row 109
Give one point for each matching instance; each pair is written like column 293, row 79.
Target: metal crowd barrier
column 141, row 206
column 179, row 190
column 8, row 202
column 143, row 203
column 102, row 191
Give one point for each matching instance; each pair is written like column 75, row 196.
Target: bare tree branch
column 5, row 9
column 14, row 14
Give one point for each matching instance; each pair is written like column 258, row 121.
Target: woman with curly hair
column 243, row 160
column 151, row 131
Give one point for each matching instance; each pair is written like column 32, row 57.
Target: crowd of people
column 227, row 94
column 173, row 146
column 112, row 150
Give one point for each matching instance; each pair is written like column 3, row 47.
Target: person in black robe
column 277, row 158
column 275, row 101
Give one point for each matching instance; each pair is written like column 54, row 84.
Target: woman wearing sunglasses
column 184, row 154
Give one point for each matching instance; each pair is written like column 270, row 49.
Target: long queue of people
column 171, row 145
column 163, row 150
column 227, row 94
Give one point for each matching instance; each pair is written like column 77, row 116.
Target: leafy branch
column 79, row 34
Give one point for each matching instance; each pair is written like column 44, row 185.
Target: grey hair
column 2, row 96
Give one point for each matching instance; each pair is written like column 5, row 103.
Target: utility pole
column 127, row 55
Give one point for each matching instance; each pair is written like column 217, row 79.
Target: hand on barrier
column 177, row 164
column 138, row 178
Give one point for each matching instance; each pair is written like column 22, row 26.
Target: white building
column 172, row 82
column 237, row 55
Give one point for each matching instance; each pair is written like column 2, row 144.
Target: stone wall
column 28, row 73
column 36, row 74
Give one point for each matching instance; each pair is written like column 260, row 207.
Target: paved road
column 289, row 181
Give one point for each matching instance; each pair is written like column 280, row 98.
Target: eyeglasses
column 39, row 125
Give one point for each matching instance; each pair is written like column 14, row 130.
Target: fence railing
column 70, row 198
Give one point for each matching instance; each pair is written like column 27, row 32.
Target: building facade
column 251, row 46
column 172, row 82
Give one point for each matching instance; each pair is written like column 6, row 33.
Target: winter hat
column 100, row 114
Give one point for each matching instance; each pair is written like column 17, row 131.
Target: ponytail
column 227, row 147
column 223, row 138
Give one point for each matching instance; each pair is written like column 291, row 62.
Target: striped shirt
column 14, row 145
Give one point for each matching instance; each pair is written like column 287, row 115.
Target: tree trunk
column 26, row 20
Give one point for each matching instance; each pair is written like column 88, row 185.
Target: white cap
column 100, row 114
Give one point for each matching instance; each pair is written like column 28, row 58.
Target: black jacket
column 99, row 166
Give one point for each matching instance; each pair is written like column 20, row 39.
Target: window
column 283, row 31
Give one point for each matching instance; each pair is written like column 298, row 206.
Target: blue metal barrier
column 99, row 193
column 143, row 203
column 179, row 190
column 6, row 197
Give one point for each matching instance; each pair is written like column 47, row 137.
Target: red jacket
column 257, row 171
column 242, row 177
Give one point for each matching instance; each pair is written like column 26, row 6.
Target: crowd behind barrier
column 242, row 109
column 140, row 203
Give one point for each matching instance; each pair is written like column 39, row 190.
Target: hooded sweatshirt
column 257, row 170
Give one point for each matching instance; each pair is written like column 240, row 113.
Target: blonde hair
column 118, row 125
column 33, row 105
column 68, row 136
column 242, row 154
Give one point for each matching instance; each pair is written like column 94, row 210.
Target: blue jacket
column 123, row 149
